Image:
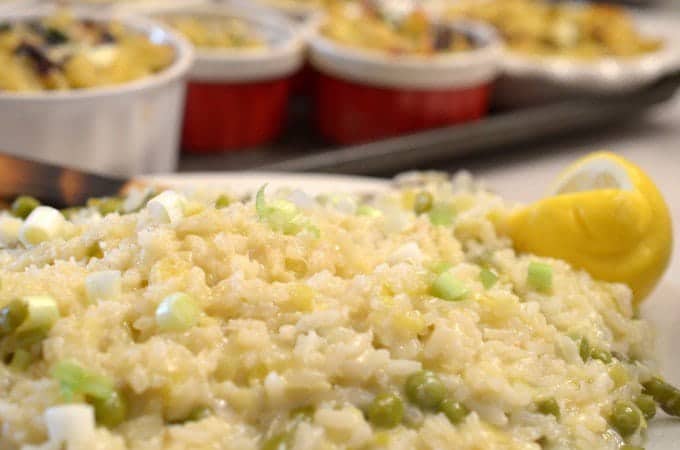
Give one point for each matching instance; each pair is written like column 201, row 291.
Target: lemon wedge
column 603, row 215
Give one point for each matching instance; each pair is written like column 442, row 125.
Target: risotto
column 398, row 320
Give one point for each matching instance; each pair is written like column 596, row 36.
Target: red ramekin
column 364, row 95
column 237, row 99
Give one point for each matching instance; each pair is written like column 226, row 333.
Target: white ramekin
column 530, row 80
column 236, row 98
column 363, row 95
column 125, row 129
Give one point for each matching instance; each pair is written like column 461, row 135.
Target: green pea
column 630, row 447
column 23, row 206
column 647, row 405
column 659, row 390
column 95, row 251
column 548, row 406
column 625, row 418
column 110, row 411
column 198, row 413
column 12, row 316
column 425, row 389
column 454, row 411
column 666, row 395
column 303, row 413
column 422, row 202
column 29, row 338
column 222, row 201
column 386, row 410
column 602, row 355
column 276, row 442
column 672, row 406
column 584, row 349
column 21, row 359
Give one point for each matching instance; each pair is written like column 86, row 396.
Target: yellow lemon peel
column 607, row 217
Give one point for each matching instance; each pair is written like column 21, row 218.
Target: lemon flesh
column 605, row 216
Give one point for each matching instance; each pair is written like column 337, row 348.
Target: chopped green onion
column 177, row 312
column 43, row 224
column 222, row 201
column 43, row 312
column 584, row 349
column 23, row 206
column 368, row 211
column 441, row 267
column 449, row 288
column 96, row 386
column 282, row 215
column 540, row 276
column 12, row 316
column 442, row 214
column 109, row 407
column 166, row 207
column 103, row 286
column 106, row 205
column 10, row 227
column 454, row 411
column 70, row 377
column 488, row 278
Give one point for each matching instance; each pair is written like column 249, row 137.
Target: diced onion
column 103, row 286
column 72, row 425
column 43, row 312
column 43, row 224
column 166, row 207
column 449, row 288
column 177, row 312
column 409, row 252
column 10, row 228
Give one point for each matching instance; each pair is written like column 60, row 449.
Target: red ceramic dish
column 232, row 116
column 368, row 95
column 236, row 98
column 350, row 112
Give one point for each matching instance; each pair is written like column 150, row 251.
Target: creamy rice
column 321, row 322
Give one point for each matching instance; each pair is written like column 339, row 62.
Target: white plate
column 663, row 308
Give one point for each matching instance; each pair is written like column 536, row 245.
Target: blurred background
column 367, row 87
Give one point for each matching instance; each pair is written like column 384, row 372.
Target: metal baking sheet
column 302, row 150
